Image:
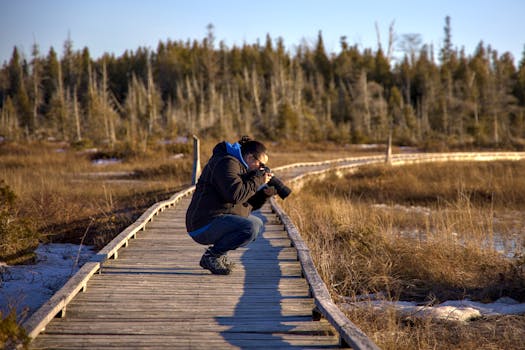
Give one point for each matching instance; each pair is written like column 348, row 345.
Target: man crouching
column 225, row 195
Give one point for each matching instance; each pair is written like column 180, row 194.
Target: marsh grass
column 12, row 336
column 66, row 197
column 429, row 240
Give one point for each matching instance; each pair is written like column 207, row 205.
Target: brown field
column 420, row 233
column 63, row 197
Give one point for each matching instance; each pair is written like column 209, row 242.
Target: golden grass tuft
column 12, row 335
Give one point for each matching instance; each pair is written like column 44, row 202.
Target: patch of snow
column 106, row 161
column 368, row 145
column 181, row 139
column 27, row 287
column 452, row 310
column 502, row 306
column 509, row 244
column 177, row 156
column 407, row 209
column 178, row 139
column 408, row 149
column 88, row 151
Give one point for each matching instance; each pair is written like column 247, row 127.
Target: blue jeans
column 229, row 232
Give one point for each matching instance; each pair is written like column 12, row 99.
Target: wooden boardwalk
column 155, row 295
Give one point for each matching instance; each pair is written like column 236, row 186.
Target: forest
column 426, row 97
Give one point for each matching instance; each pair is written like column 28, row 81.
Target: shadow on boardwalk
column 258, row 320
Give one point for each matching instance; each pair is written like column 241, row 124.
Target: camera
column 282, row 190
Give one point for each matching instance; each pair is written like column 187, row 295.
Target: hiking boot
column 212, row 262
column 227, row 263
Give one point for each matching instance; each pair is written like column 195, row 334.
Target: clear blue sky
column 114, row 26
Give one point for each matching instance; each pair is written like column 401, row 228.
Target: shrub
column 12, row 335
column 18, row 239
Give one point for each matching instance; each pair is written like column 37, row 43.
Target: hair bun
column 244, row 139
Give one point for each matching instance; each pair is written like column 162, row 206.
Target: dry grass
column 67, row 198
column 412, row 253
column 12, row 336
column 391, row 332
column 498, row 184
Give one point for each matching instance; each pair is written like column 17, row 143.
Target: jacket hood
column 234, row 150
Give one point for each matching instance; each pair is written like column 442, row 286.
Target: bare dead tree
column 76, row 115
column 108, row 116
column 378, row 34
column 391, row 39
column 36, row 84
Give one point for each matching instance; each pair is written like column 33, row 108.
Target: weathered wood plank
column 174, row 326
column 226, row 340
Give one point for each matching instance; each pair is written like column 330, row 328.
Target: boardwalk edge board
column 350, row 334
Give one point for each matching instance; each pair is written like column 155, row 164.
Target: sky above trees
column 119, row 25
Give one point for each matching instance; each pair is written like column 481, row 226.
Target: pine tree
column 49, row 84
column 9, row 121
column 321, row 61
column 57, row 113
column 446, row 50
column 519, row 89
column 18, row 92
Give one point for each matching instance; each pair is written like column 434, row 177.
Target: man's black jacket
column 224, row 187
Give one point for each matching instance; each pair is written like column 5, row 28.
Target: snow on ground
column 452, row 310
column 106, row 161
column 30, row 286
column 407, row 209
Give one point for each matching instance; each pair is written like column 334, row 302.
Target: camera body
column 282, row 190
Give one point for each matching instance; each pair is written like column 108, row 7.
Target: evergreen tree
column 49, row 82
column 18, row 92
column 519, row 89
column 321, row 61
column 446, row 50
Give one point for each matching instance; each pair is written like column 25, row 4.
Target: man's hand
column 267, row 177
column 270, row 191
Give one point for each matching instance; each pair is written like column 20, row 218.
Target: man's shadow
column 254, row 325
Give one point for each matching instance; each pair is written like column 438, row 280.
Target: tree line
column 204, row 88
